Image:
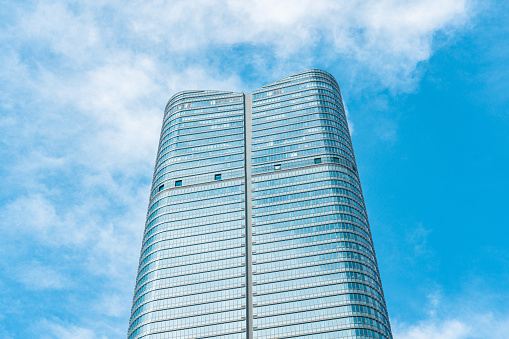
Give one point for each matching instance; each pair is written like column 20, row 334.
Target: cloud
column 471, row 326
column 75, row 36
column 460, row 317
column 389, row 38
column 449, row 329
column 53, row 330
column 37, row 217
column 386, row 38
column 82, row 92
column 112, row 305
column 418, row 238
column 36, row 276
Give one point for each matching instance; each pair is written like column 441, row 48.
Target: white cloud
column 74, row 35
column 36, row 276
column 418, row 237
column 53, row 330
column 468, row 326
column 113, row 305
column 461, row 317
column 449, row 329
column 36, row 216
column 83, row 89
column 388, row 37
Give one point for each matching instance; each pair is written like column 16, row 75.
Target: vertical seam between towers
column 249, row 253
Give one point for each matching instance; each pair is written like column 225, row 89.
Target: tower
column 256, row 226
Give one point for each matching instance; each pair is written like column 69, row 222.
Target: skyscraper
column 256, row 226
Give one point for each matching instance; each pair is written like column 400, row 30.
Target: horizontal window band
column 223, row 284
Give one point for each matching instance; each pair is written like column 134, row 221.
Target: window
column 318, row 160
column 160, row 188
column 277, row 167
column 217, row 177
column 178, row 183
column 335, row 160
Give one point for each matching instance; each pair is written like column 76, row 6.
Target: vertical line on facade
column 249, row 253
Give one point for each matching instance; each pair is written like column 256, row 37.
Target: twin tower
column 256, row 226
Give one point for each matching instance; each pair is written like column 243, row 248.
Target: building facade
column 256, row 226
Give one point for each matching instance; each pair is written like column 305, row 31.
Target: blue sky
column 82, row 89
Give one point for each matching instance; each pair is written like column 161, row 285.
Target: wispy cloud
column 469, row 326
column 36, row 276
column 444, row 329
column 459, row 317
column 54, row 330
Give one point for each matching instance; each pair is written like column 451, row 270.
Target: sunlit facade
column 256, row 225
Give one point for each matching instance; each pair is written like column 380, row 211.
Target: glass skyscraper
column 256, row 226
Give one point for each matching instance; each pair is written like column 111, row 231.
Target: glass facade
column 256, row 225
column 192, row 279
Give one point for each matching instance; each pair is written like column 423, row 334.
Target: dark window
column 217, row 177
column 277, row 167
column 335, row 160
column 318, row 160
column 161, row 188
column 178, row 183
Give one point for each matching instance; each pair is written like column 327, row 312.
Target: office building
column 256, row 226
